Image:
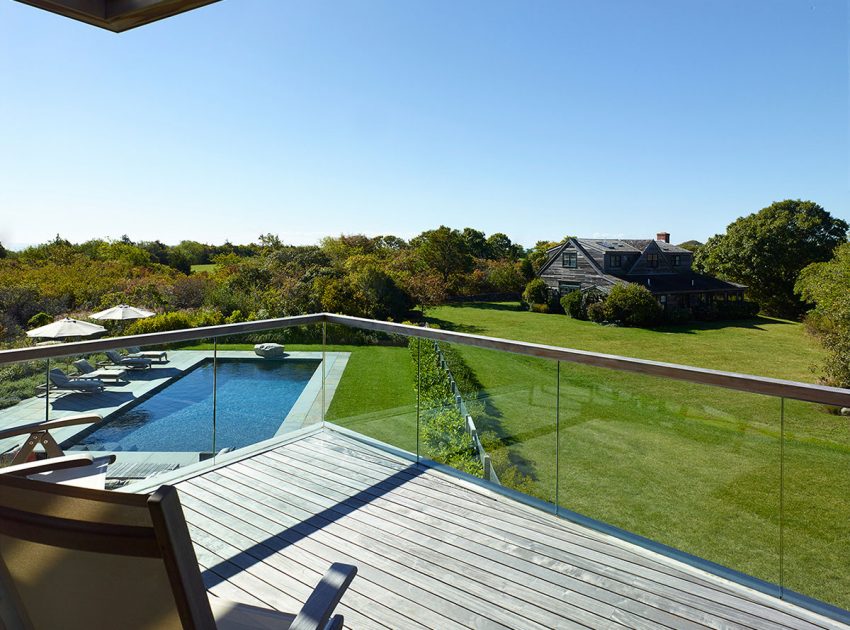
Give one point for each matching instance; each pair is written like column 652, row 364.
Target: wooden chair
column 79, row 559
column 79, row 469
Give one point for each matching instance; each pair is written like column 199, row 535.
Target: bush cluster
column 443, row 431
column 577, row 303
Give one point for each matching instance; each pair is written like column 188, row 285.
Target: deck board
column 435, row 551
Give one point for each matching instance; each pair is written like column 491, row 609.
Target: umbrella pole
column 47, row 391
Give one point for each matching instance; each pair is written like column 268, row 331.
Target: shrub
column 39, row 319
column 596, row 312
column 536, row 292
column 540, row 308
column 577, row 303
column 632, row 305
column 677, row 315
column 571, row 303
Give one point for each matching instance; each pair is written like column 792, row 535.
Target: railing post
column 215, row 391
column 324, row 361
column 557, row 436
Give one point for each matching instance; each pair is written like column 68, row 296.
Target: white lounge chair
column 86, row 371
column 114, row 358
column 134, row 352
column 79, row 469
column 59, row 380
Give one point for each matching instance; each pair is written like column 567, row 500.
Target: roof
column 681, row 282
column 608, row 245
column 118, row 16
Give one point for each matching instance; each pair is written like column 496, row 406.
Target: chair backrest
column 134, row 349
column 77, row 559
column 114, row 356
column 58, row 377
column 83, row 366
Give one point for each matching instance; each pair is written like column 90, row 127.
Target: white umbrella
column 122, row 312
column 66, row 328
column 62, row 329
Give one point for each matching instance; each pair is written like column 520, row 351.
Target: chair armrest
column 26, row 429
column 317, row 610
column 46, row 465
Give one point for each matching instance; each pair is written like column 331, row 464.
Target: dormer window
column 616, row 261
column 652, row 260
column 570, row 260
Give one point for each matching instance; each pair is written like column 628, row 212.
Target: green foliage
column 536, row 292
column 443, row 432
column 827, row 284
column 577, row 303
column 444, row 250
column 175, row 320
column 767, row 250
column 38, row 320
column 631, row 305
column 691, row 246
column 596, row 312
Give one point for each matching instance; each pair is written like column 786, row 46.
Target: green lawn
column 692, row 466
column 375, row 396
column 205, row 267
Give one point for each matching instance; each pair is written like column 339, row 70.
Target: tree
column 691, row 246
column 3, row 252
column 767, row 250
column 444, row 250
column 476, row 243
column 500, row 247
column 827, row 284
column 631, row 305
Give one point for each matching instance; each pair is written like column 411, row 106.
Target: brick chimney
column 663, row 236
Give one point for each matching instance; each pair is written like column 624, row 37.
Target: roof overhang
column 117, row 15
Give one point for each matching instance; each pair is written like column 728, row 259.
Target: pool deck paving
column 141, row 384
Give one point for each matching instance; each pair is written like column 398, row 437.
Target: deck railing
column 746, row 476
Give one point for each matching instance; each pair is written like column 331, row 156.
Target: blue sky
column 308, row 118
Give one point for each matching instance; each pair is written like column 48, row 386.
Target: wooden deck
column 434, row 551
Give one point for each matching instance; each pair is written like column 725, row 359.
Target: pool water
column 253, row 397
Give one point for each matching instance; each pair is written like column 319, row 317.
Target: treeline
column 382, row 277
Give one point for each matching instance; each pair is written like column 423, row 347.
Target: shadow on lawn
column 488, row 420
column 454, row 326
column 488, row 306
column 692, row 328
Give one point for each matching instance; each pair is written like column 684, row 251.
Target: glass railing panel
column 490, row 414
column 22, row 401
column 690, row 466
column 370, row 384
column 816, row 514
column 268, row 384
column 156, row 408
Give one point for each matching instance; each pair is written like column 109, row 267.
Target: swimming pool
column 252, row 399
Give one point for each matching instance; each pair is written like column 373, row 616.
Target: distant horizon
column 609, row 119
column 17, row 247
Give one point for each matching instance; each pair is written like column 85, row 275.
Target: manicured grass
column 692, row 466
column 763, row 346
column 206, row 267
column 375, row 396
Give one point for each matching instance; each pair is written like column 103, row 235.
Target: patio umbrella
column 66, row 328
column 63, row 329
column 122, row 312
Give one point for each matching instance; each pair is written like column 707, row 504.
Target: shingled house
column 664, row 269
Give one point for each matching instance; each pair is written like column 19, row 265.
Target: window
column 652, row 260
column 570, row 260
column 677, row 260
column 663, row 300
column 615, row 260
column 567, row 287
